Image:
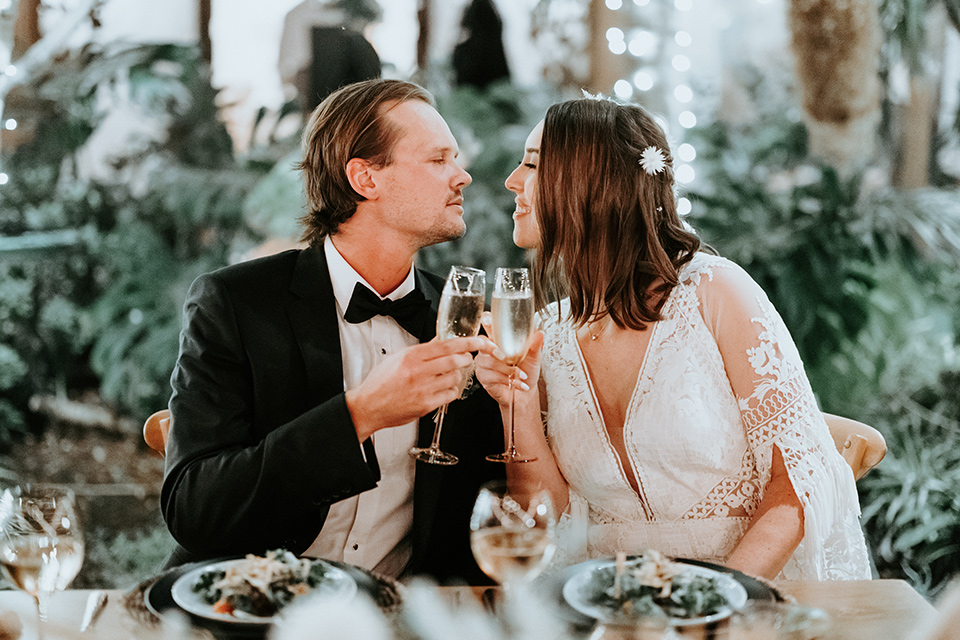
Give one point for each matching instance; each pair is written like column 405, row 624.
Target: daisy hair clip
column 652, row 161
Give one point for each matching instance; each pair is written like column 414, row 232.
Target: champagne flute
column 41, row 547
column 512, row 532
column 461, row 305
column 512, row 310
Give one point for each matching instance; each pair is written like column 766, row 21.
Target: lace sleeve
column 778, row 409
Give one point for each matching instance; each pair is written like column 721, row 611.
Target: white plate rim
column 187, row 599
column 734, row 592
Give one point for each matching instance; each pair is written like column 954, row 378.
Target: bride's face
column 523, row 182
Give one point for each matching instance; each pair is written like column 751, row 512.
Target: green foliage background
column 93, row 272
column 866, row 279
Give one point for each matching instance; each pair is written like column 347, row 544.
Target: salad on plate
column 257, row 586
column 653, row 586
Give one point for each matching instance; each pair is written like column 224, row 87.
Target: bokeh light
column 644, row 80
column 687, row 120
column 686, row 152
column 623, row 89
column 685, row 174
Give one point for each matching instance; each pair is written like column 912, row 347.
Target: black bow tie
column 412, row 311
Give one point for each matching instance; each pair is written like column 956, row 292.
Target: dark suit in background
column 339, row 56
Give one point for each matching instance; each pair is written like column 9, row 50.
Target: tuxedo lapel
column 425, row 282
column 313, row 317
column 426, row 492
column 431, row 288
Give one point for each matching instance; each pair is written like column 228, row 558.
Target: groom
column 304, row 378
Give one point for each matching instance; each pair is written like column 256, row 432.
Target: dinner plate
column 158, row 598
column 336, row 584
column 737, row 587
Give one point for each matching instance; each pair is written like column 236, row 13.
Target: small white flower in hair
column 652, row 160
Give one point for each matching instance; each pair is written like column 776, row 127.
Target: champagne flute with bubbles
column 41, row 547
column 513, row 318
column 461, row 305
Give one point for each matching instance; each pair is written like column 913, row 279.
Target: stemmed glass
column 512, row 310
column 512, row 532
column 41, row 547
column 461, row 305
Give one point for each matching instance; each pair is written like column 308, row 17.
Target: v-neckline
column 611, row 450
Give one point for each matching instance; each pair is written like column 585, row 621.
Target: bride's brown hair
column 608, row 229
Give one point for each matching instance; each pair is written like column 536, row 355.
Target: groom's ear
column 361, row 177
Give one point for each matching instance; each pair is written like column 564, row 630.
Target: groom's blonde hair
column 349, row 123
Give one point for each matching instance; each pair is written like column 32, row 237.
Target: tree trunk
column 918, row 119
column 837, row 51
column 912, row 163
column 26, row 29
column 423, row 37
column 203, row 30
column 606, row 67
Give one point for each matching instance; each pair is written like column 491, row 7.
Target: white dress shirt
column 373, row 529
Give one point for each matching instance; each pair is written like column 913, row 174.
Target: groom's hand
column 411, row 383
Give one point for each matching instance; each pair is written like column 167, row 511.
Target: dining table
column 882, row 609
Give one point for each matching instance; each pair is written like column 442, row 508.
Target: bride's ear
column 362, row 178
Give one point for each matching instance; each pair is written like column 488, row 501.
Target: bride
column 664, row 397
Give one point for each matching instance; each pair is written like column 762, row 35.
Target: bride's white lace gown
column 720, row 386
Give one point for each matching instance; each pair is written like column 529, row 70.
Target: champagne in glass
column 461, row 306
column 459, row 314
column 41, row 547
column 504, row 554
column 39, row 563
column 512, row 533
column 513, row 321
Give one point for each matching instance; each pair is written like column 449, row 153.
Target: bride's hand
column 494, row 374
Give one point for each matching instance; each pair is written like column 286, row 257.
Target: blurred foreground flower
column 426, row 614
column 333, row 619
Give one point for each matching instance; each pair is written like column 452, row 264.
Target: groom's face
column 422, row 188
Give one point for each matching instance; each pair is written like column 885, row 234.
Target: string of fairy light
column 643, row 44
column 7, row 15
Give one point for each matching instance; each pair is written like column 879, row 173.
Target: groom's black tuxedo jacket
column 262, row 443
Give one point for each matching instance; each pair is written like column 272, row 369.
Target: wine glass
column 41, row 547
column 512, row 532
column 512, row 310
column 461, row 306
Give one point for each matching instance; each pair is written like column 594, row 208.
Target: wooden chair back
column 156, row 429
column 862, row 446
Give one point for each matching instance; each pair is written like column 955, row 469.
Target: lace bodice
column 720, row 385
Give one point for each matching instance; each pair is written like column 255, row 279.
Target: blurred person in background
column 323, row 47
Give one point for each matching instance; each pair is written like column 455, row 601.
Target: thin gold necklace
column 595, row 336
